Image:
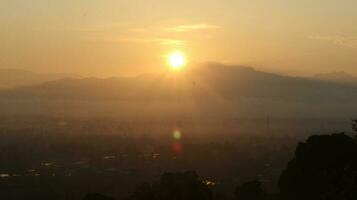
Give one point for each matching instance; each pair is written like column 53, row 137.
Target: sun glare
column 176, row 60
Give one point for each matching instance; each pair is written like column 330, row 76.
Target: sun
column 176, row 60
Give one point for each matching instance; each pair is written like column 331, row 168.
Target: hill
column 337, row 77
column 210, row 91
column 213, row 80
column 10, row 78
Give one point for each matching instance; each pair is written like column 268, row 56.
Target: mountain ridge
column 11, row 78
column 229, row 82
column 341, row 77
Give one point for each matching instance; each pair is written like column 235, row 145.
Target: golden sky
column 117, row 37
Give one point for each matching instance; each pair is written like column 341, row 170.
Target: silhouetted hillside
column 209, row 81
column 17, row 77
column 337, row 77
column 235, row 82
column 206, row 92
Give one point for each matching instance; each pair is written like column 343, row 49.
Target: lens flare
column 177, row 134
column 176, row 147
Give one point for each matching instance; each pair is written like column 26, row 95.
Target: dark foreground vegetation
column 93, row 166
column 324, row 167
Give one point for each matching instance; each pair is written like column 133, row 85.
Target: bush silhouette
column 250, row 191
column 96, row 196
column 174, row 186
column 354, row 126
column 324, row 167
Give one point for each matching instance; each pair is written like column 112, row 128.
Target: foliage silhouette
column 354, row 126
column 174, row 186
column 96, row 196
column 250, row 191
column 324, row 167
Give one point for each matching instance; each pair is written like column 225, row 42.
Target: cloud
column 167, row 41
column 164, row 35
column 190, row 27
column 161, row 35
column 97, row 28
column 350, row 42
column 161, row 41
column 182, row 28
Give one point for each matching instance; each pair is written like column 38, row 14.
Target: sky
column 117, row 37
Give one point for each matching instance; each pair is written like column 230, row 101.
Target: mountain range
column 337, row 77
column 226, row 82
column 10, row 78
column 209, row 90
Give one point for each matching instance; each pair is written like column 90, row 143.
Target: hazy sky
column 116, row 37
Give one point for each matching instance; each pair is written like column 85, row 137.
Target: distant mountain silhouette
column 209, row 81
column 338, row 77
column 247, row 82
column 16, row 77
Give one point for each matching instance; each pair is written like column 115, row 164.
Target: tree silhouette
column 324, row 167
column 354, row 126
column 250, row 191
column 145, row 192
column 96, row 196
column 174, row 186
